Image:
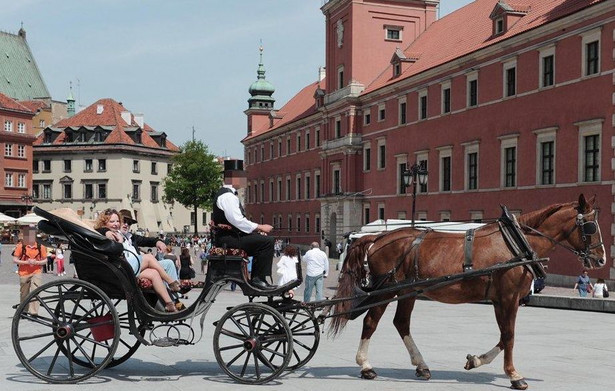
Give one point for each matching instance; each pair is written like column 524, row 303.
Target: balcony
column 350, row 140
column 352, row 90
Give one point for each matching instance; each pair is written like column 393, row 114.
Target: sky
column 185, row 64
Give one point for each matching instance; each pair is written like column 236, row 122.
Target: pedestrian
column 30, row 258
column 600, row 289
column 317, row 269
column 583, row 284
column 51, row 256
column 327, row 246
column 59, row 260
column 234, row 230
column 287, row 267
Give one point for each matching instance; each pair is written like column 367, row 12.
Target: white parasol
column 6, row 218
column 30, row 218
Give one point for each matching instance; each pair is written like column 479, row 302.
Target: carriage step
column 165, row 342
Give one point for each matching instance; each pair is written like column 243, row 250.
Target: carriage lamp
column 415, row 174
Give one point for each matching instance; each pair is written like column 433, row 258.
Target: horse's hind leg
column 370, row 323
column 402, row 324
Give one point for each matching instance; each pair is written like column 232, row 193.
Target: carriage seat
column 233, row 252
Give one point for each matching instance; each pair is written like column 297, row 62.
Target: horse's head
column 585, row 236
column 573, row 226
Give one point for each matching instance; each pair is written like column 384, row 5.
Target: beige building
column 107, row 157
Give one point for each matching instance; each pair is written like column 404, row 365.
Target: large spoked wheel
column 128, row 343
column 75, row 323
column 253, row 343
column 306, row 335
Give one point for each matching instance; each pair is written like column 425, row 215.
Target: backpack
column 23, row 251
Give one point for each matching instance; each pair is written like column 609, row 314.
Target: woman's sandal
column 170, row 307
column 175, row 286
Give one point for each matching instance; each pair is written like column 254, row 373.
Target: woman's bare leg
column 157, row 283
column 149, row 262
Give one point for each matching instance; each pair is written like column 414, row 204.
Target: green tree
column 194, row 178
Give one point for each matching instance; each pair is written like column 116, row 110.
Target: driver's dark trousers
column 260, row 247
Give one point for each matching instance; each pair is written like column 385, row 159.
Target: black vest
column 218, row 214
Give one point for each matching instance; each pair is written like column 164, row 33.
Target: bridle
column 587, row 230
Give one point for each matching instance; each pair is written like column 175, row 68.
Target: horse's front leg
column 402, row 324
column 370, row 323
column 506, row 316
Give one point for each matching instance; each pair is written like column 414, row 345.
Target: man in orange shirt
column 30, row 258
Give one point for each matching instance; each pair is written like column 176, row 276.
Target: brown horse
column 396, row 256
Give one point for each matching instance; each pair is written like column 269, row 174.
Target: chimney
column 322, row 72
column 126, row 116
column 139, row 120
column 99, row 109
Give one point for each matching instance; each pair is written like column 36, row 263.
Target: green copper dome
column 261, row 89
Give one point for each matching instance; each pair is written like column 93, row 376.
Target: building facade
column 501, row 102
column 15, row 156
column 107, row 157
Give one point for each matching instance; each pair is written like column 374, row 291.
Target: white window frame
column 337, row 127
column 21, row 151
column 469, row 148
column 8, row 179
column 399, row 29
column 299, row 187
column 444, row 86
column 470, row 77
column 545, row 52
column 508, row 141
column 8, row 150
column 307, row 140
column 316, row 183
column 21, row 180
column 340, row 77
column 506, row 66
column 477, row 215
column 423, row 93
column 336, row 167
column 542, row 136
column 307, row 184
column 402, row 101
column 589, row 128
column 382, row 109
column 21, row 127
column 271, row 189
column 367, row 116
column 366, row 146
column 588, row 37
column 399, row 160
column 381, row 142
column 420, row 156
column 8, row 125
column 445, row 152
column 445, row 215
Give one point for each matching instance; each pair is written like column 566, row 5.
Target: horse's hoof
column 368, row 374
column 471, row 363
column 423, row 373
column 518, row 384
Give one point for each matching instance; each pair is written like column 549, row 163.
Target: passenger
column 108, row 224
column 142, row 241
column 243, row 234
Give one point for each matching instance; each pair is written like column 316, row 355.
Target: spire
column 22, row 32
column 261, row 90
column 70, row 101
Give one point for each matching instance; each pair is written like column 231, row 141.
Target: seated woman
column 108, row 224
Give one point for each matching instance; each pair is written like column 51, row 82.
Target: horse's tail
column 350, row 277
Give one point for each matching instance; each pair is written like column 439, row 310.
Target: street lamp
column 415, row 174
column 27, row 198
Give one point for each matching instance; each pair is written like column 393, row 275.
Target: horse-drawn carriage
column 102, row 318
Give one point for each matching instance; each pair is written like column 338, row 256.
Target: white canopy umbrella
column 30, row 218
column 6, row 218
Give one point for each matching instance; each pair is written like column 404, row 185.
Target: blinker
column 589, row 228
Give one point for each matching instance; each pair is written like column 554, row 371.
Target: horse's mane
column 536, row 218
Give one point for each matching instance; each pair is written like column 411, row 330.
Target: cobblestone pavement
column 554, row 350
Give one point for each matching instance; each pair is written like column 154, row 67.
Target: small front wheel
column 253, row 343
column 72, row 335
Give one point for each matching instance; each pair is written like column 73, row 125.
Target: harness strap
column 415, row 246
column 468, row 245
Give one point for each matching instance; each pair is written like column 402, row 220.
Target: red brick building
column 502, row 102
column 16, row 140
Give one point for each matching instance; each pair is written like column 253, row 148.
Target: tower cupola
column 261, row 90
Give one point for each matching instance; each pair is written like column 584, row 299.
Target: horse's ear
column 584, row 205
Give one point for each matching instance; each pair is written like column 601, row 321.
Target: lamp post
column 415, row 174
column 27, row 198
